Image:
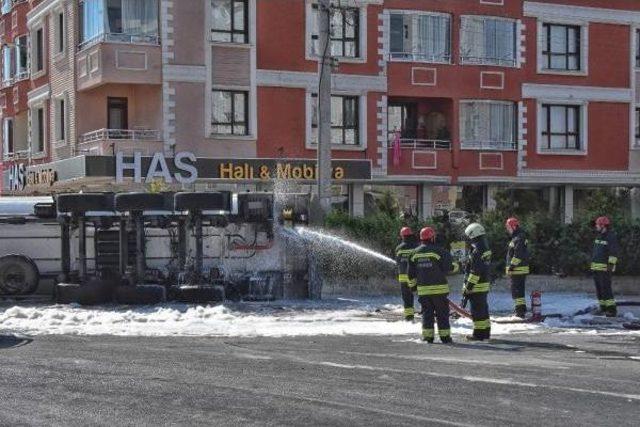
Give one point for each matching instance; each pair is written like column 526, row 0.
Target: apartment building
column 427, row 94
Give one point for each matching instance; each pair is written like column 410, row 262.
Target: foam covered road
column 550, row 379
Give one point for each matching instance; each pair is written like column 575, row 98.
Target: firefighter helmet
column 603, row 221
column 406, row 232
column 474, row 230
column 513, row 223
column 427, row 234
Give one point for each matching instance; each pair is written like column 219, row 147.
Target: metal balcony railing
column 6, row 82
column 417, row 144
column 121, row 38
column 121, row 135
column 22, row 75
column 444, row 58
column 488, row 145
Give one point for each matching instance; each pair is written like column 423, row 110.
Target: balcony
column 113, row 59
column 120, row 38
column 107, row 142
column 421, row 144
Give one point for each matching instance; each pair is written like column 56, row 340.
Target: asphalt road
column 544, row 379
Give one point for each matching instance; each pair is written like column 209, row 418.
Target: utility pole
column 324, row 108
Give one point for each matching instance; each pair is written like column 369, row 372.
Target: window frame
column 637, row 127
column 233, row 123
column 343, row 128
column 118, row 102
column 636, row 34
column 489, row 145
column 21, row 73
column 547, row 134
column 37, row 48
column 583, row 129
column 495, row 62
column 548, row 55
column 60, row 33
column 232, row 32
column 61, row 116
column 8, row 139
column 413, row 56
column 38, row 127
column 360, row 34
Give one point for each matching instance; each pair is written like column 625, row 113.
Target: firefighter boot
column 474, row 337
column 446, row 340
column 428, row 335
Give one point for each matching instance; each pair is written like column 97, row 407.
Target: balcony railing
column 120, row 38
column 417, row 144
column 488, row 145
column 6, row 83
column 22, row 75
column 121, row 135
column 420, row 57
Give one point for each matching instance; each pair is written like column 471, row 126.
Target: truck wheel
column 199, row 294
column 94, row 292
column 83, row 202
column 126, row 202
column 213, row 201
column 141, row 294
column 18, row 275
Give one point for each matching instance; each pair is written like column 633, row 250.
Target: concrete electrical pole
column 324, row 108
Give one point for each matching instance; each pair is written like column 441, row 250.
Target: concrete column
column 490, row 199
column 568, row 204
column 553, row 200
column 635, row 203
column 425, row 201
column 356, row 200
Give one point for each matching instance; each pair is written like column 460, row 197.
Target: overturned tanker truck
column 145, row 248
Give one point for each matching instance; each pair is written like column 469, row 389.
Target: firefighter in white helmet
column 477, row 281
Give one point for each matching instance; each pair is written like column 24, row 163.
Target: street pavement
column 537, row 379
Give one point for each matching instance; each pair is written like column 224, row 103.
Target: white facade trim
column 563, row 93
column 583, row 13
column 38, row 95
column 309, row 81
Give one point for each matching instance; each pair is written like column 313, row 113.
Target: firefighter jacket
column 478, row 267
column 518, row 254
column 403, row 253
column 428, row 268
column 605, row 252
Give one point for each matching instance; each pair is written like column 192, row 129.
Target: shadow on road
column 12, row 341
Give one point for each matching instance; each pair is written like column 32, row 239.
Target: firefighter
column 603, row 264
column 428, row 267
column 517, row 265
column 403, row 253
column 477, row 281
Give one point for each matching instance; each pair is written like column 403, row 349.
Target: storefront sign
column 185, row 168
column 45, row 177
column 17, row 177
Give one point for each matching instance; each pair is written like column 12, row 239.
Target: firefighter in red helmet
column 517, row 267
column 428, row 266
column 603, row 264
column 403, row 253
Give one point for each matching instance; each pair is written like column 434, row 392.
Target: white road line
column 482, row 380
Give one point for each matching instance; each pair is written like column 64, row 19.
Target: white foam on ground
column 280, row 319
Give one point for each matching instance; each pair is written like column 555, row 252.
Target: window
column 345, row 120
column 7, row 63
column 488, row 41
column 37, row 45
column 561, row 47
column 129, row 21
column 345, row 32
column 22, row 67
column 488, row 124
column 6, row 6
column 421, row 37
column 37, row 130
column 230, row 111
column 60, row 33
column 403, row 117
column 61, row 119
column 230, row 21
column 560, row 127
column 637, row 126
column 7, row 136
column 637, row 48
column 117, row 113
